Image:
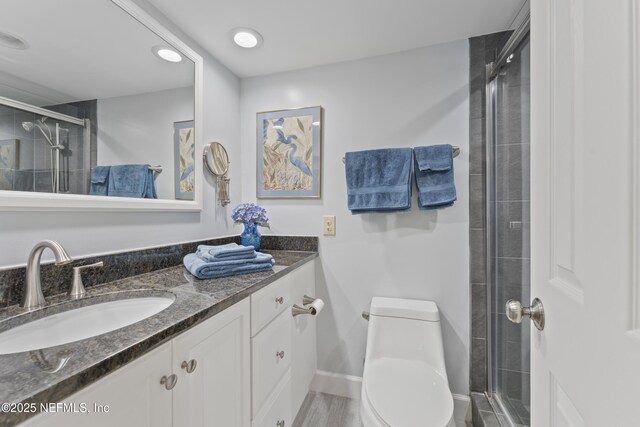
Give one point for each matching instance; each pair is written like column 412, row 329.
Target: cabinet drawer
column 270, row 301
column 271, row 358
column 277, row 411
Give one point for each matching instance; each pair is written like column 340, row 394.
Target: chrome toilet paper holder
column 296, row 310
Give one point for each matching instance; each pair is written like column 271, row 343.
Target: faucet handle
column 77, row 287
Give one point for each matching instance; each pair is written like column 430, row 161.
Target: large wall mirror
column 99, row 108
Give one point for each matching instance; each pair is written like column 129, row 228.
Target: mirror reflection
column 114, row 118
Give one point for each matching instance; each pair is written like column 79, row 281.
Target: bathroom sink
column 69, row 323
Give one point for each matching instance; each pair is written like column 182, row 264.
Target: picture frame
column 9, row 158
column 289, row 153
column 184, row 157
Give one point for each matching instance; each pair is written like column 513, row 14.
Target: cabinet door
column 303, row 342
column 130, row 396
column 217, row 392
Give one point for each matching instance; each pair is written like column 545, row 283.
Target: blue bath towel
column 379, row 180
column 210, row 270
column 132, row 181
column 434, row 176
column 231, row 251
column 100, row 180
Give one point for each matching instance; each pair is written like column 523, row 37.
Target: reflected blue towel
column 434, row 176
column 132, row 181
column 210, row 270
column 230, row 251
column 100, row 180
column 379, row 180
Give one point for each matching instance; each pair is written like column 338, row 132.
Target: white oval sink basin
column 80, row 323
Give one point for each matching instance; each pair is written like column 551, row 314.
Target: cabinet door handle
column 280, row 423
column 280, row 300
column 280, row 354
column 189, row 366
column 169, row 382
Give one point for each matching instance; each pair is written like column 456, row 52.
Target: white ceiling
column 302, row 33
column 81, row 50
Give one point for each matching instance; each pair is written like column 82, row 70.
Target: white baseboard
column 337, row 384
column 351, row 386
column 461, row 409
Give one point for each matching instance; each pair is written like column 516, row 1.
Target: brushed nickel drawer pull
column 169, row 382
column 189, row 366
column 280, row 354
column 280, row 300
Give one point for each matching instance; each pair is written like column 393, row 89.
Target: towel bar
column 456, row 152
column 156, row 169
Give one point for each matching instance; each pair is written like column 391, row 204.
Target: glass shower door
column 508, row 234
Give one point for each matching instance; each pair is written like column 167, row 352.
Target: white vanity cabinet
column 217, row 389
column 283, row 349
column 249, row 365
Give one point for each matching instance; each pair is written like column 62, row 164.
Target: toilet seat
column 405, row 393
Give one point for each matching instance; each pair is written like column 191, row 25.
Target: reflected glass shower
column 40, row 153
column 508, row 235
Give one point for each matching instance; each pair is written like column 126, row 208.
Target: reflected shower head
column 40, row 124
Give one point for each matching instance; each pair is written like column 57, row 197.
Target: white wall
column 408, row 99
column 139, row 129
column 90, row 232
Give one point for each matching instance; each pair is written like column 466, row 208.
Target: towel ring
column 456, row 152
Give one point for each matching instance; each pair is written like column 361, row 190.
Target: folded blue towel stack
column 132, row 181
column 434, row 176
column 100, row 180
column 379, row 180
column 210, row 262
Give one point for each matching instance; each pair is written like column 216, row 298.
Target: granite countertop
column 36, row 376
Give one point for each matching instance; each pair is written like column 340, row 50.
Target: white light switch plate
column 329, row 225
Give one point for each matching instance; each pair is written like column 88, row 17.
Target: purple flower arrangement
column 249, row 213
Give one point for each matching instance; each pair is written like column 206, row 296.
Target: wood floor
column 320, row 410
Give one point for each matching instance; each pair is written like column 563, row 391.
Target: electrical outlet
column 329, row 225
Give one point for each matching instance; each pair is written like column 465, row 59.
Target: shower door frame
column 491, row 92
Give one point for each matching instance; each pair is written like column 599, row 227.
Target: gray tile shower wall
column 482, row 50
column 57, row 279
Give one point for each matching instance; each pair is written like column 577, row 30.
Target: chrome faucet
column 33, row 296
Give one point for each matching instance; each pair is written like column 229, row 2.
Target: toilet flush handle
column 365, row 315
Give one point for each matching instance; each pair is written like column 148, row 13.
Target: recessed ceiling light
column 246, row 38
column 166, row 53
column 12, row 41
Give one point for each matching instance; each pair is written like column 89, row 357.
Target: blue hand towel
column 211, row 270
column 132, row 181
column 379, row 180
column 100, row 180
column 434, row 176
column 229, row 251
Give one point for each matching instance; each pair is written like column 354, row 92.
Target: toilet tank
column 406, row 329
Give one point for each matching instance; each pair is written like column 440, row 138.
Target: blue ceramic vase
column 251, row 236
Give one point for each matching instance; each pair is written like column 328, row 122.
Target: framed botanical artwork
column 289, row 153
column 184, row 149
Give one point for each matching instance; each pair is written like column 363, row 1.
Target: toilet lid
column 407, row 393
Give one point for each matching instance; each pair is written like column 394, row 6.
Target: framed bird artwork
column 184, row 146
column 289, row 153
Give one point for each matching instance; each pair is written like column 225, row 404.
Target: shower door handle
column 515, row 312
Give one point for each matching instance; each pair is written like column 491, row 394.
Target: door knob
column 515, row 312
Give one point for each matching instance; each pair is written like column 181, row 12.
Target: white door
column 585, row 190
column 213, row 386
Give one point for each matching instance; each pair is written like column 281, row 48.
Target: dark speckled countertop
column 32, row 376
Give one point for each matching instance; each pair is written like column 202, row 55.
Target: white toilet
column 405, row 380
